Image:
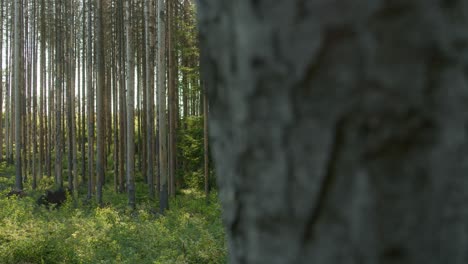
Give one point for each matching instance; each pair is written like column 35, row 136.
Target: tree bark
column 130, row 107
column 339, row 130
column 206, row 158
column 90, row 95
column 17, row 67
column 171, row 98
column 162, row 121
column 122, row 98
column 100, row 89
column 149, row 46
column 2, row 83
column 58, row 99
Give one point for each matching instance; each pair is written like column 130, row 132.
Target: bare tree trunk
column 205, row 145
column 163, row 166
column 100, row 102
column 89, row 75
column 34, row 119
column 335, row 136
column 130, row 108
column 17, row 54
column 2, row 83
column 8, row 96
column 149, row 46
column 115, row 119
column 58, row 101
column 51, row 111
column 71, row 104
column 122, row 99
column 83, row 105
column 42, row 89
column 171, row 99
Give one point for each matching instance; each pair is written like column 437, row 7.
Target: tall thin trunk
column 58, row 101
column 171, row 97
column 50, row 115
column 100, row 102
column 163, row 166
column 34, row 134
column 8, row 95
column 72, row 115
column 149, row 46
column 205, row 144
column 83, row 95
column 122, row 98
column 17, row 54
column 42, row 87
column 130, row 108
column 2, row 83
column 115, row 119
column 89, row 75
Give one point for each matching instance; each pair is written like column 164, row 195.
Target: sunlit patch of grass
column 190, row 232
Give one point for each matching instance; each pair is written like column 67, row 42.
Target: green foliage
column 190, row 232
column 191, row 153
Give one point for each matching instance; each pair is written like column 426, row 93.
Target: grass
column 190, row 232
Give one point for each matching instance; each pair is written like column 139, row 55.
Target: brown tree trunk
column 149, row 47
column 130, row 108
column 90, row 95
column 17, row 57
column 171, row 98
column 162, row 119
column 101, row 111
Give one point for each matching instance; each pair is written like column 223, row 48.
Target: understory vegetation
column 82, row 232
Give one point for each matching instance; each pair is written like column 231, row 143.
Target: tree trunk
column 206, row 159
column 171, row 97
column 2, row 83
column 163, row 166
column 100, row 89
column 17, row 57
column 122, row 98
column 34, row 134
column 339, row 130
column 83, row 105
column 90, row 95
column 42, row 90
column 58, row 101
column 130, row 108
column 149, row 46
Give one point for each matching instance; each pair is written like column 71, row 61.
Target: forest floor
column 190, row 232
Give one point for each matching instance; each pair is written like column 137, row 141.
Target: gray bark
column 17, row 57
column 130, row 107
column 206, row 159
column 149, row 46
column 90, row 95
column 339, row 129
column 162, row 120
column 100, row 89
column 171, row 99
column 58, row 100
column 2, row 83
column 122, row 98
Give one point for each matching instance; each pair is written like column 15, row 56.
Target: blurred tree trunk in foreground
column 339, row 130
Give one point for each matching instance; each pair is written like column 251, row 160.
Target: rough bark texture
column 130, row 108
column 339, row 128
column 149, row 48
column 90, row 105
column 17, row 53
column 100, row 89
column 162, row 121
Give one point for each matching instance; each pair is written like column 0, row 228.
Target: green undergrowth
column 190, row 232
